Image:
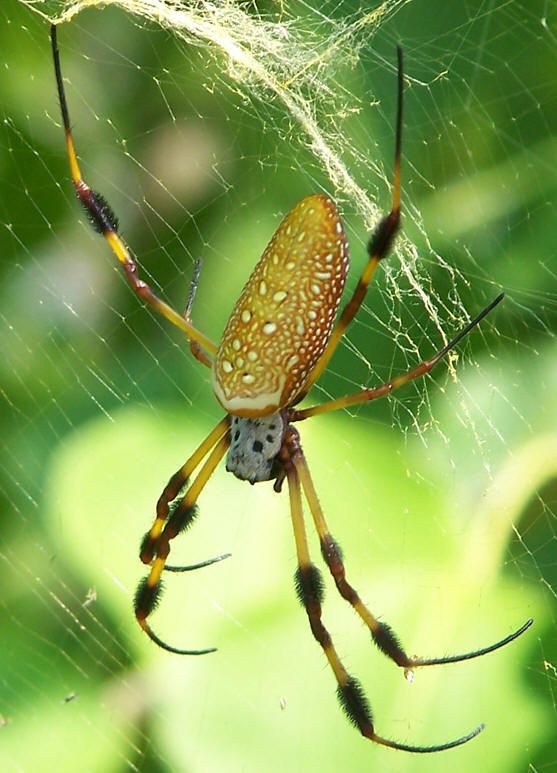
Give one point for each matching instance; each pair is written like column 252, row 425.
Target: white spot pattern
column 285, row 314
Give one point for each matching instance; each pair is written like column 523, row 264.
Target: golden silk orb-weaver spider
column 280, row 337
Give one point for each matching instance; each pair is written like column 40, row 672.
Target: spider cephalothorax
column 278, row 340
column 254, row 446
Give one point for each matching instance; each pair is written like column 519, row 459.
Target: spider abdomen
column 284, row 317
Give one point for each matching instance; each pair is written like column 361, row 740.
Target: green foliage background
column 448, row 533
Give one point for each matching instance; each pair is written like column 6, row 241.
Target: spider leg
column 198, row 352
column 309, row 588
column 378, row 247
column 200, row 565
column 382, row 634
column 181, row 517
column 105, row 222
column 194, row 284
column 173, row 488
column 366, row 395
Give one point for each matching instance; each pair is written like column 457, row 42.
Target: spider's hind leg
column 105, row 222
column 378, row 247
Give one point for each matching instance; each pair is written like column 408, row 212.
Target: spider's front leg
column 382, row 634
column 310, row 591
column 176, row 483
column 170, row 521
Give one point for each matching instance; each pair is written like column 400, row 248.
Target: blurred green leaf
column 268, row 684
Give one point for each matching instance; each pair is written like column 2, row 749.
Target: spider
column 278, row 340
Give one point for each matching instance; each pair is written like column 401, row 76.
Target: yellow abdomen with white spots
column 284, row 317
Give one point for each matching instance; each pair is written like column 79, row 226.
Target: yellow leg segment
column 378, row 248
column 366, row 395
column 104, row 222
column 308, row 581
column 329, row 548
column 175, row 484
column 309, row 587
column 148, row 592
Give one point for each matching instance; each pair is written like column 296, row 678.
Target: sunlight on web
column 203, row 123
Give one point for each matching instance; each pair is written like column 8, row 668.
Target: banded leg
column 366, row 395
column 173, row 488
column 105, row 222
column 180, row 518
column 378, row 247
column 382, row 634
column 309, row 588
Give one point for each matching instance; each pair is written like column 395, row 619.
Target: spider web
column 202, row 124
